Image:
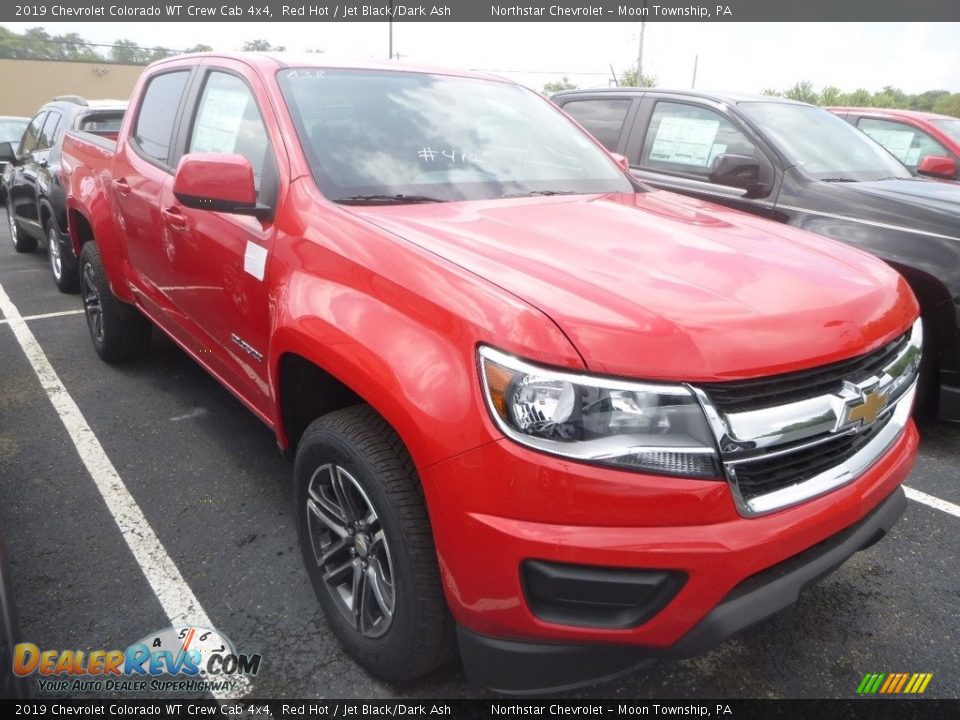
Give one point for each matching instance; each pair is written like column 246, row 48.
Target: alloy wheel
column 351, row 550
column 91, row 302
column 56, row 261
column 11, row 222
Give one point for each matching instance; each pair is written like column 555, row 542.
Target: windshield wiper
column 838, row 179
column 383, row 199
column 529, row 193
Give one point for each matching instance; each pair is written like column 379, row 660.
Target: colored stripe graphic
column 894, row 683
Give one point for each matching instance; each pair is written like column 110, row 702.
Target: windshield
column 949, row 127
column 12, row 130
column 388, row 136
column 821, row 144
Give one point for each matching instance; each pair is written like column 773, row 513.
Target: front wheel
column 62, row 263
column 118, row 330
column 367, row 545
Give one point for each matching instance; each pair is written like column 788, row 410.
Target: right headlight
column 645, row 427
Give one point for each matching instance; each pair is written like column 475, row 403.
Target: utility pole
column 390, row 24
column 693, row 83
column 640, row 50
column 643, row 26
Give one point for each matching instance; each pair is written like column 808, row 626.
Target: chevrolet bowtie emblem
column 865, row 410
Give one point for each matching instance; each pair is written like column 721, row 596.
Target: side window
column 158, row 110
column 602, row 118
column 685, row 139
column 907, row 144
column 49, row 131
column 229, row 121
column 32, row 135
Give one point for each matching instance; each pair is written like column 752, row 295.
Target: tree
column 926, row 101
column 127, row 52
column 803, row 91
column 159, row 53
column 199, row 48
column 830, row 95
column 890, row 97
column 858, row 98
column 261, row 45
column 558, row 85
column 948, row 105
column 629, row 78
column 771, row 92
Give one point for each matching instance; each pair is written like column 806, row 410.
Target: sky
column 745, row 57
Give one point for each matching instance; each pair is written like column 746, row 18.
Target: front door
column 217, row 278
column 675, row 142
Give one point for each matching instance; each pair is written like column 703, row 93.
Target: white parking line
column 176, row 597
column 44, row 316
column 931, row 501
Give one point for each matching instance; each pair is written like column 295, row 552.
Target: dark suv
column 36, row 204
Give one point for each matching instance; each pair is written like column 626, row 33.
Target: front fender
column 400, row 327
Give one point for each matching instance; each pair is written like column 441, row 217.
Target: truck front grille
column 789, row 438
column 755, row 394
column 770, row 474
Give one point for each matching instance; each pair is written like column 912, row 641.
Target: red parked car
column 927, row 143
column 540, row 412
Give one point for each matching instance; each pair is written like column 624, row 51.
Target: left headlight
column 645, row 427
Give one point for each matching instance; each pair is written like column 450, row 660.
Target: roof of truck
column 729, row 98
column 269, row 61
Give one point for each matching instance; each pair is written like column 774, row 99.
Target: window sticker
column 897, row 142
column 685, row 141
column 218, row 123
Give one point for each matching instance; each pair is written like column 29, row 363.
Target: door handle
column 174, row 218
column 122, row 186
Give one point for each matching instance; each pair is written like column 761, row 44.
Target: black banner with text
column 481, row 11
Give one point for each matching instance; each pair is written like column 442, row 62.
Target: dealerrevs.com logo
column 178, row 659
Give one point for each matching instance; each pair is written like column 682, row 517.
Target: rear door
column 217, row 281
column 607, row 117
column 675, row 141
column 144, row 162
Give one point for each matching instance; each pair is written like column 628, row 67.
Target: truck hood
column 940, row 200
column 915, row 205
column 659, row 286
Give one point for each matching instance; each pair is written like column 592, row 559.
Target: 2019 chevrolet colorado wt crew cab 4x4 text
column 538, row 409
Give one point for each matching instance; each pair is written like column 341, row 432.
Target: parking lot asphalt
column 207, row 477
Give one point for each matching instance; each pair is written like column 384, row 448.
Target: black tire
column 63, row 265
column 22, row 242
column 119, row 331
column 418, row 636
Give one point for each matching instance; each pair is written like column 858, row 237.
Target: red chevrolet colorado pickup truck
column 538, row 410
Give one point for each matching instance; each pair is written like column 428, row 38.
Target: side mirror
column 938, row 166
column 7, row 153
column 217, row 182
column 621, row 160
column 739, row 171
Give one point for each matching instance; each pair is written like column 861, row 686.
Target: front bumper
column 512, row 666
column 500, row 504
